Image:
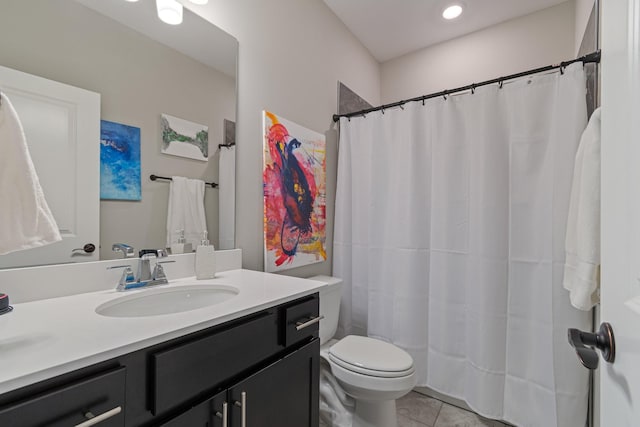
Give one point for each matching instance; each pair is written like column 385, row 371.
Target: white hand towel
column 582, row 244
column 25, row 218
column 227, row 197
column 186, row 209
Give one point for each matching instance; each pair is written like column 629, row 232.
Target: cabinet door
column 207, row 414
column 284, row 394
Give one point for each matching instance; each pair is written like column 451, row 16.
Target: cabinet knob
column 95, row 419
column 224, row 414
column 243, row 406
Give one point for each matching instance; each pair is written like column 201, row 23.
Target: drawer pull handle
column 302, row 325
column 95, row 419
column 223, row 415
column 243, row 407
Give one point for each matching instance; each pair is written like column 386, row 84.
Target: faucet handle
column 126, row 278
column 159, row 253
column 126, row 250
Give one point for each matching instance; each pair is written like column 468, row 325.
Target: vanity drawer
column 183, row 372
column 67, row 405
column 298, row 320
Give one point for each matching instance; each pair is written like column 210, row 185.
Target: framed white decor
column 184, row 138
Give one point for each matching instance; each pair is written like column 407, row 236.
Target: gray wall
column 138, row 79
column 292, row 54
column 535, row 40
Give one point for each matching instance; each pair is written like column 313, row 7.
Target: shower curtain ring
column 501, row 83
column 473, row 89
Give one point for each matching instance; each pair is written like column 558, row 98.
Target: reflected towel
column 25, row 218
column 582, row 263
column 186, row 209
column 227, row 197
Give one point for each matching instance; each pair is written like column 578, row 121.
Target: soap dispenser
column 178, row 246
column 205, row 259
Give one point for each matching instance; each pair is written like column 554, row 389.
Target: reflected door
column 62, row 127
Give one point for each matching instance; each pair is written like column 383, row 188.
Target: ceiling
column 391, row 28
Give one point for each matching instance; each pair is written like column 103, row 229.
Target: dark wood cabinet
column 283, row 394
column 70, row 405
column 260, row 359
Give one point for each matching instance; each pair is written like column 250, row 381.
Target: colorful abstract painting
column 294, row 183
column 184, row 138
column 119, row 162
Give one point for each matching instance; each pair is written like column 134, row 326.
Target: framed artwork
column 119, row 162
column 184, row 138
column 294, row 185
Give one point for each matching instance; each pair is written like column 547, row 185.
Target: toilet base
column 375, row 414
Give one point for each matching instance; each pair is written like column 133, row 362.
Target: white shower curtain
column 449, row 235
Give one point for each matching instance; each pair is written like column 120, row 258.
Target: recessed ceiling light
column 452, row 11
column 199, row 1
column 169, row 11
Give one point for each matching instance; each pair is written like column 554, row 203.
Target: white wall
column 292, row 53
column 535, row 40
column 583, row 11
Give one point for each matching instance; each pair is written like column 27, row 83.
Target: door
column 620, row 293
column 285, row 394
column 62, row 126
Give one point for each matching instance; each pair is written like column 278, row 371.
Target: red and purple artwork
column 294, row 183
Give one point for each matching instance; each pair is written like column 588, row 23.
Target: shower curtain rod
column 591, row 57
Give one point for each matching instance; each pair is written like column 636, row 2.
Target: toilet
column 373, row 372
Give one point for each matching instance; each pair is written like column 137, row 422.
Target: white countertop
column 45, row 338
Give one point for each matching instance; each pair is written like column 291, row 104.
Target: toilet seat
column 371, row 357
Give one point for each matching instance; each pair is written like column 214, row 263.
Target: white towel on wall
column 186, row 209
column 25, row 218
column 582, row 264
column 227, row 198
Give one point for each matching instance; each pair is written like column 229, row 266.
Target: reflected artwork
column 183, row 138
column 119, row 162
column 294, row 184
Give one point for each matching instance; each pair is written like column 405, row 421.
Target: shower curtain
column 449, row 235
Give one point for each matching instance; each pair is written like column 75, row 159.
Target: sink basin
column 159, row 301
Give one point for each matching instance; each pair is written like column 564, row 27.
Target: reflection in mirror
column 139, row 68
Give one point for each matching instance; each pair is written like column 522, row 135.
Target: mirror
column 142, row 69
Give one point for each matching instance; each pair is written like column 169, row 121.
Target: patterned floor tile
column 419, row 408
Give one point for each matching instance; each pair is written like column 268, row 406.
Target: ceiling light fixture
column 199, row 1
column 169, row 11
column 452, row 12
column 131, row 1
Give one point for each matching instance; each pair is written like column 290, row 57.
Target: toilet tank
column 329, row 306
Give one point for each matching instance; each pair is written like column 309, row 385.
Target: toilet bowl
column 373, row 372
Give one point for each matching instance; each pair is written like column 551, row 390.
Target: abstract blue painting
column 119, row 162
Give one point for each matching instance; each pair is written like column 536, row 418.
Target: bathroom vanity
column 250, row 361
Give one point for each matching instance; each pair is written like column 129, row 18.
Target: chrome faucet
column 147, row 276
column 127, row 251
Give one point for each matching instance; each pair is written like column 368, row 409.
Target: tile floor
column 418, row 410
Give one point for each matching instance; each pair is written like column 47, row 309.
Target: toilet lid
column 370, row 356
